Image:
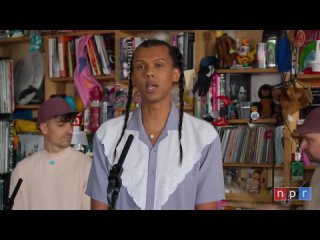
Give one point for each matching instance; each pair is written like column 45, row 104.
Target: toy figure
column 245, row 57
column 225, row 49
column 254, row 112
column 266, row 106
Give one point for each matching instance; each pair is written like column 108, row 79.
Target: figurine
column 266, row 106
column 225, row 48
column 245, row 57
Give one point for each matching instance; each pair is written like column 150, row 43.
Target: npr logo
column 290, row 193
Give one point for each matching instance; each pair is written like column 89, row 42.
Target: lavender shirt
column 152, row 176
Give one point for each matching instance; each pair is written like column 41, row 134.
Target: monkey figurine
column 226, row 49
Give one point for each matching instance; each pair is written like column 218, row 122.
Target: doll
column 225, row 48
column 266, row 106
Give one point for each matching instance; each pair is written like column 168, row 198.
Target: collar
column 135, row 124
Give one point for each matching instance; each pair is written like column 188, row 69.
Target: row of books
column 250, row 144
column 127, row 47
column 183, row 40
column 64, row 51
column 6, row 147
column 205, row 105
column 6, row 86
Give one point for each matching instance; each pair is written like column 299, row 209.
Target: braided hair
column 177, row 60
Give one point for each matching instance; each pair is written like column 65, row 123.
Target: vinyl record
column 28, row 76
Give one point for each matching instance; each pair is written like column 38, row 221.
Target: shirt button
column 150, row 173
column 149, row 200
column 154, row 150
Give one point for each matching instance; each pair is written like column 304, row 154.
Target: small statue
column 254, row 112
column 245, row 57
column 226, row 46
column 266, row 106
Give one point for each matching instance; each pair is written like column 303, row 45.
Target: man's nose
column 70, row 128
column 149, row 72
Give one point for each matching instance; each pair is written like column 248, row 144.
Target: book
column 63, row 54
column 109, row 46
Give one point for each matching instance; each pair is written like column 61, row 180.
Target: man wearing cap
column 54, row 178
column 310, row 131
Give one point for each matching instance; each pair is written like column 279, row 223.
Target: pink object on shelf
column 83, row 79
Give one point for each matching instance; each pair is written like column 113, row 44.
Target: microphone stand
column 114, row 178
column 10, row 200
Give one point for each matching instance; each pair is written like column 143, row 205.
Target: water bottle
column 95, row 106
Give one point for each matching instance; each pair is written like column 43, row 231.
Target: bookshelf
column 267, row 170
column 204, row 45
column 65, row 85
column 245, row 197
column 308, row 76
column 241, row 164
column 247, row 121
column 28, row 106
column 290, row 141
column 249, row 70
column 15, row 49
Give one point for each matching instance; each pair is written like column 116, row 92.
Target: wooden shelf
column 308, row 76
column 311, row 167
column 249, row 70
column 298, row 202
column 246, row 197
column 77, row 33
column 70, row 79
column 238, row 121
column 187, row 107
column 247, row 120
column 34, row 106
column 265, row 120
column 241, row 165
column 15, row 39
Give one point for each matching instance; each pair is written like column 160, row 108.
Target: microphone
column 114, row 178
column 10, row 200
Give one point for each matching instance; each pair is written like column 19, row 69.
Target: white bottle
column 315, row 65
column 262, row 55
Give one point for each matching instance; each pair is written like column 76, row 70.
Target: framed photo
column 238, row 87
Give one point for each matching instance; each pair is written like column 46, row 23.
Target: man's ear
column 176, row 75
column 43, row 128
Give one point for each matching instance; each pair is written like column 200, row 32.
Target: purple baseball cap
column 311, row 124
column 53, row 107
